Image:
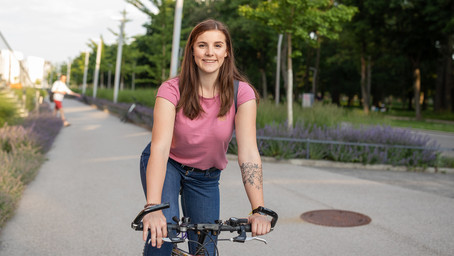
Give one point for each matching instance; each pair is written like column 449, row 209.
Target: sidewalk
column 84, row 198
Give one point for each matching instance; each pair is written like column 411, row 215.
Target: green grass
column 426, row 114
column 145, row 97
column 425, row 125
column 320, row 114
column 8, row 112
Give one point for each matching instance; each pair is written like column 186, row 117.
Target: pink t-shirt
column 203, row 142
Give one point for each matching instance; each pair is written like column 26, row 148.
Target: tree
column 296, row 19
column 156, row 46
column 412, row 32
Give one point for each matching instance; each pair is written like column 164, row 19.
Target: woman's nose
column 209, row 51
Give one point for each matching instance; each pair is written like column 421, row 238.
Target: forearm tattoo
column 252, row 175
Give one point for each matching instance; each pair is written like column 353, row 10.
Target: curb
column 332, row 164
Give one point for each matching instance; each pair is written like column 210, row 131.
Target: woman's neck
column 208, row 86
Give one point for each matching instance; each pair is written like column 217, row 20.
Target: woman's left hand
column 260, row 224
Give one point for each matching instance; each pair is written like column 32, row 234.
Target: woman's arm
column 250, row 163
column 163, row 123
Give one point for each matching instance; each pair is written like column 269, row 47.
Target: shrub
column 8, row 113
column 384, row 144
column 22, row 149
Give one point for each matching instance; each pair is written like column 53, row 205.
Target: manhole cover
column 336, row 218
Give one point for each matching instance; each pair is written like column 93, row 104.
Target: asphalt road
column 444, row 139
column 85, row 196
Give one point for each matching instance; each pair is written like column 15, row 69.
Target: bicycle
column 184, row 225
column 126, row 116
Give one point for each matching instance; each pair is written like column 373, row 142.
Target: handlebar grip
column 270, row 213
column 137, row 222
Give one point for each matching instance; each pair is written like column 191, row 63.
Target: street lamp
column 119, row 52
column 98, row 63
column 68, row 72
column 176, row 37
column 84, row 85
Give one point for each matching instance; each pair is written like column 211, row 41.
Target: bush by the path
column 22, row 152
column 378, row 135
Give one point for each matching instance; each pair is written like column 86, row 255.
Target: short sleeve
column 245, row 93
column 170, row 91
column 67, row 90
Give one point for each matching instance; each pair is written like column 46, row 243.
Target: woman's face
column 210, row 50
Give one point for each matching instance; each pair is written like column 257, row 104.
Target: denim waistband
column 192, row 169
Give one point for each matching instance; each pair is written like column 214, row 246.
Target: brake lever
column 233, row 239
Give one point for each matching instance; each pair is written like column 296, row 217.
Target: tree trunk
column 102, row 80
column 369, row 80
column 278, row 74
column 439, row 88
column 290, row 83
column 317, row 67
column 109, row 75
column 363, row 84
column 264, row 84
column 284, row 64
column 417, row 90
column 133, row 78
column 449, row 80
column 163, row 63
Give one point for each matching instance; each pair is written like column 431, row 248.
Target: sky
column 59, row 30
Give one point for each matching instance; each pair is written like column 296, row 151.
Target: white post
column 176, row 37
column 119, row 52
column 278, row 70
column 98, row 63
column 68, row 73
column 84, row 85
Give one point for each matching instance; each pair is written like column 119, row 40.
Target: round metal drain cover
column 336, row 218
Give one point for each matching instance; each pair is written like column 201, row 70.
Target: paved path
column 85, row 196
column 444, row 139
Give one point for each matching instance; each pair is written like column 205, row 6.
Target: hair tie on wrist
column 149, row 205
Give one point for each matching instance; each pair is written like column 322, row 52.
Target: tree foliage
column 372, row 56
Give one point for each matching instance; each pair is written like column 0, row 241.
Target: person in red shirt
column 194, row 119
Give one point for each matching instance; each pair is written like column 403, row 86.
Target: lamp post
column 84, row 85
column 98, row 63
column 176, row 37
column 68, row 73
column 278, row 70
column 119, row 52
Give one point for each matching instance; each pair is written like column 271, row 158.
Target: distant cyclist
column 194, row 119
column 59, row 89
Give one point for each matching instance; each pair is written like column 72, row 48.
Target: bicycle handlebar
column 233, row 224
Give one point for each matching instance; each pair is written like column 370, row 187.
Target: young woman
column 194, row 118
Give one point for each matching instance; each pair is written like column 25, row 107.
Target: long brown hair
column 189, row 76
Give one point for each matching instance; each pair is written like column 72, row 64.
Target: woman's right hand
column 157, row 224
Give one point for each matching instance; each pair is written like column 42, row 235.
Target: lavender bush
column 22, row 149
column 382, row 152
column 44, row 128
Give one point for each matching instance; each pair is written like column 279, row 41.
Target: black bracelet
column 258, row 210
column 149, row 205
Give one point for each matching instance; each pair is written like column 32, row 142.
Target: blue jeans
column 199, row 200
